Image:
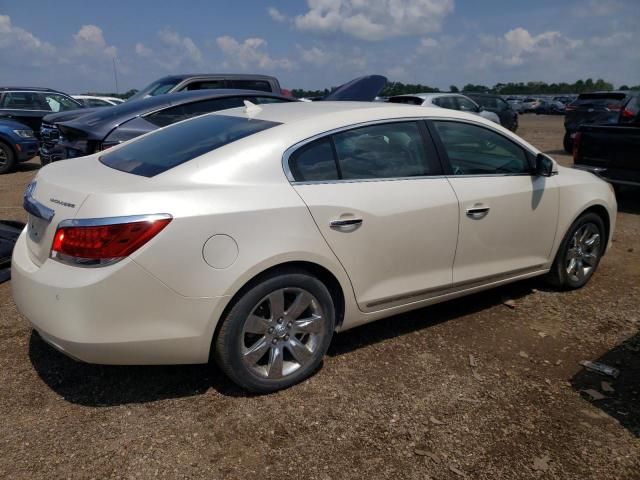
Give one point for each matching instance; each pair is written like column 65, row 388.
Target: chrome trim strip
column 34, row 207
column 99, row 222
column 289, row 151
column 453, row 288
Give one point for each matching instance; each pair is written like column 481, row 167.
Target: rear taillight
column 576, row 146
column 570, row 107
column 103, row 241
column 613, row 107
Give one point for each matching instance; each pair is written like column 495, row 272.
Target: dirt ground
column 395, row 399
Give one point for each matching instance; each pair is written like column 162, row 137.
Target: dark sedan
column 67, row 136
column 493, row 103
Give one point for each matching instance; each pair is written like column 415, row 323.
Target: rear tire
column 7, row 158
column 276, row 333
column 579, row 253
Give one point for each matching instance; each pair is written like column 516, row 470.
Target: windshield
column 158, row 87
column 174, row 145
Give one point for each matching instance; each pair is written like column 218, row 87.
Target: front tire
column 579, row 254
column 276, row 333
column 7, row 158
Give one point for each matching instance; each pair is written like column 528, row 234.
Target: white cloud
column 19, row 45
column 90, row 41
column 377, row 20
column 179, row 49
column 251, row 53
column 275, row 14
column 429, row 43
column 598, row 8
column 315, row 55
column 142, row 50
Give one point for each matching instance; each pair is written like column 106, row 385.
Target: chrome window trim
column 293, row 148
column 101, row 222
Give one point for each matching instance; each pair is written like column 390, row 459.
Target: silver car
column 452, row 101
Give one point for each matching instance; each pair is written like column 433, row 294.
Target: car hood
column 68, row 115
column 13, row 125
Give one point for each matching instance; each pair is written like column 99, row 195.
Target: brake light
column 570, row 107
column 576, row 146
column 613, row 107
column 104, row 241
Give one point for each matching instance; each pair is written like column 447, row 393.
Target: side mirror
column 480, row 109
column 544, row 166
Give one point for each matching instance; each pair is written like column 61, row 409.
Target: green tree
column 453, row 89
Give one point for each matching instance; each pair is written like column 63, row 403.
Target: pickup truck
column 611, row 151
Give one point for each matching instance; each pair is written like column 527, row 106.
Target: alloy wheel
column 583, row 252
column 283, row 333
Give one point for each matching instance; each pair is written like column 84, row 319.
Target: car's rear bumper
column 119, row 314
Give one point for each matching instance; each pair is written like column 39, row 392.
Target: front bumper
column 27, row 150
column 118, row 315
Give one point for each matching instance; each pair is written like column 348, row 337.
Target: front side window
column 391, row 150
column 58, row 103
column 466, row 105
column 172, row 146
column 474, row 150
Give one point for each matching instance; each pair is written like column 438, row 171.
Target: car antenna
column 251, row 108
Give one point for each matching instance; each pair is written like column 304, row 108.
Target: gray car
column 452, row 101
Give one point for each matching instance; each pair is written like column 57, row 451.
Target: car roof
column 31, row 89
column 231, row 76
column 293, row 112
column 426, row 96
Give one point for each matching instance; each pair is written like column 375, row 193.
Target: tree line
column 511, row 88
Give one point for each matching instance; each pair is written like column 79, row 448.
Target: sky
column 71, row 45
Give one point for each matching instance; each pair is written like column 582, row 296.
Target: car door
column 508, row 215
column 379, row 199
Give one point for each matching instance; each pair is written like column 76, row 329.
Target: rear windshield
column 171, row 146
column 600, row 99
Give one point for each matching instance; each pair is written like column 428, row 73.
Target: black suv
column 493, row 103
column 29, row 105
column 209, row 81
column 600, row 108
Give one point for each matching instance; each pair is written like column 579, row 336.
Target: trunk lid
column 598, row 108
column 58, row 192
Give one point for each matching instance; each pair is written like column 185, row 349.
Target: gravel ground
column 394, row 399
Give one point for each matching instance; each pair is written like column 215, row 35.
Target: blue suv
column 17, row 144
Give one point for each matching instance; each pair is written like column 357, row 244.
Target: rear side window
column 407, row 100
column 205, row 85
column 392, row 150
column 24, row 101
column 164, row 149
column 314, row 162
column 446, row 102
column 466, row 105
column 175, row 114
column 259, row 85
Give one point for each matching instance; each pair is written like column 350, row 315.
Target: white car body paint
column 162, row 303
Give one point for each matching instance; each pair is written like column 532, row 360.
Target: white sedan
column 249, row 236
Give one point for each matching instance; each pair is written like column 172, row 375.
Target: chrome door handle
column 477, row 212
column 346, row 223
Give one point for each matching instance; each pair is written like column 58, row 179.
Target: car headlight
column 24, row 133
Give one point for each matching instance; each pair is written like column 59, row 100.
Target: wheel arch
column 322, row 273
column 603, row 213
